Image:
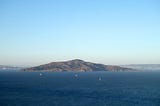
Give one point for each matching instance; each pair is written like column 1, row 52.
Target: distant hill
column 76, row 65
column 3, row 67
column 144, row 67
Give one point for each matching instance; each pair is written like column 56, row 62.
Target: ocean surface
column 79, row 89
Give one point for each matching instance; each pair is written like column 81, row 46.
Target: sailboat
column 76, row 75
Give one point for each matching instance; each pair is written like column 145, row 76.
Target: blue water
column 85, row 89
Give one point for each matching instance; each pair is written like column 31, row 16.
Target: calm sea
column 80, row 89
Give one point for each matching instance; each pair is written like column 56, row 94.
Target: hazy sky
column 34, row 32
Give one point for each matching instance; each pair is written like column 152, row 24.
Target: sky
column 34, row 32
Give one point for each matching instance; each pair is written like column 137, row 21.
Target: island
column 76, row 65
